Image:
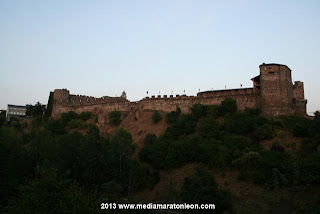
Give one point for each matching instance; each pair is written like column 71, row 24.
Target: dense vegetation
column 46, row 166
column 45, row 169
column 115, row 118
column 233, row 142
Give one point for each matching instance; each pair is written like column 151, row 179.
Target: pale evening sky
column 100, row 48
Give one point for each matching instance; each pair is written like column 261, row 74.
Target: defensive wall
column 272, row 91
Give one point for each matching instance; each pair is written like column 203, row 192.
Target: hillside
column 241, row 161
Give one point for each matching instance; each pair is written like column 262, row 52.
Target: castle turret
column 276, row 89
column 124, row 95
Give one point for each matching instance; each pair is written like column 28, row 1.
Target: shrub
column 93, row 133
column 298, row 126
column 185, row 125
column 277, row 122
column 15, row 124
column 13, row 119
column 2, row 120
column 66, row 117
column 199, row 111
column 208, row 127
column 95, row 119
column 277, row 147
column 246, row 164
column 56, row 127
column 150, row 138
column 227, row 106
column 239, row 123
column 85, row 115
column 156, row 117
column 271, row 160
column 212, row 111
column 301, row 130
column 173, row 116
column 253, row 111
column 77, row 124
column 115, row 118
column 264, row 132
column 201, row 188
column 39, row 121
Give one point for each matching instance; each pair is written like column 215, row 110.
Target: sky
column 100, row 48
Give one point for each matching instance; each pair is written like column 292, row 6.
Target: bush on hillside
column 2, row 120
column 173, row 116
column 199, row 111
column 115, row 118
column 297, row 125
column 150, row 139
column 265, row 132
column 77, row 124
column 67, row 117
column 95, row 119
column 253, row 111
column 208, row 127
column 85, row 115
column 201, row 188
column 228, row 105
column 156, row 117
column 273, row 167
column 184, row 125
column 56, row 127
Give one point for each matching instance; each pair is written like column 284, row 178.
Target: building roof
column 16, row 106
column 235, row 89
column 264, row 64
column 256, row 77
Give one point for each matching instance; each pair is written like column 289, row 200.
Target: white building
column 16, row 111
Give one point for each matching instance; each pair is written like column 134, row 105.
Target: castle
column 272, row 91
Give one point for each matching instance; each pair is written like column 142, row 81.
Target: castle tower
column 299, row 101
column 60, row 95
column 276, row 89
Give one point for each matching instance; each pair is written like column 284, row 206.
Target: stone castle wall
column 273, row 92
column 166, row 104
column 102, row 106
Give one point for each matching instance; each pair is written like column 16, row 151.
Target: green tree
column 66, row 117
column 123, row 148
column 77, row 124
column 85, row 115
column 173, row 116
column 51, row 193
column 93, row 133
column 266, row 131
column 150, row 139
column 201, row 188
column 199, row 111
column 208, row 127
column 35, row 110
column 50, row 105
column 2, row 120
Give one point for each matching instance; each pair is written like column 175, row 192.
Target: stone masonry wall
column 102, row 107
column 276, row 95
